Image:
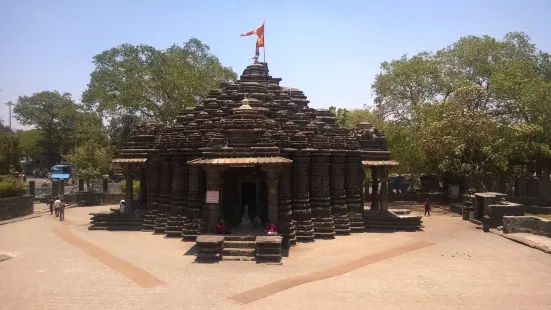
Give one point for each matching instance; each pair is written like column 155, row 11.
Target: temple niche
column 255, row 146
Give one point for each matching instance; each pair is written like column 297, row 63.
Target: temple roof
column 255, row 117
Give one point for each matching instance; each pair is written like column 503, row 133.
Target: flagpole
column 264, row 48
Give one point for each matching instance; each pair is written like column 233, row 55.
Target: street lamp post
column 9, row 104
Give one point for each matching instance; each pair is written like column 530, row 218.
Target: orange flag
column 260, row 37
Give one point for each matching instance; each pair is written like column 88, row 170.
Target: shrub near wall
column 11, row 187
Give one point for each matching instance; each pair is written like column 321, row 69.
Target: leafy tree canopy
column 54, row 114
column 29, row 142
column 9, row 151
column 141, row 80
column 480, row 105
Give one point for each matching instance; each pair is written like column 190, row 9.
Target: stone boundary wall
column 15, row 207
column 532, row 202
column 94, row 199
column 420, row 198
column 527, row 224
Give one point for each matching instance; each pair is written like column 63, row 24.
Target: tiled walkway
column 464, row 268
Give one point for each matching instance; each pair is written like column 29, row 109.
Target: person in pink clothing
column 271, row 229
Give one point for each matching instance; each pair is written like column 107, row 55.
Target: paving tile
column 464, row 269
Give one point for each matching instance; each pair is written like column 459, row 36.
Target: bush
column 135, row 186
column 11, row 187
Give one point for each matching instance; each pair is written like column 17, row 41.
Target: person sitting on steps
column 220, row 227
column 271, row 229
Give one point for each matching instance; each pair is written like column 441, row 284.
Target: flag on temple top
column 260, row 37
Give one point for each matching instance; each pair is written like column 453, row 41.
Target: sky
column 331, row 50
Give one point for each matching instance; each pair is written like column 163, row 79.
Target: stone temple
column 255, row 145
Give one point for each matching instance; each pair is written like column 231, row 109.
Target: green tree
column 494, row 94
column 93, row 153
column 145, row 82
column 29, row 141
column 9, row 151
column 54, row 114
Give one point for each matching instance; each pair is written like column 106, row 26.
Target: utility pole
column 9, row 104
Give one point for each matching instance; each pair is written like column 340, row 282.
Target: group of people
column 222, row 229
column 57, row 205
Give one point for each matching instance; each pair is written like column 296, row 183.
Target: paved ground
column 64, row 266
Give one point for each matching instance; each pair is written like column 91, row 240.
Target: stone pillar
column 143, row 186
column 320, row 200
column 384, row 188
column 61, row 186
column 55, row 188
column 179, row 185
column 80, row 185
column 129, row 197
column 194, row 205
column 105, row 185
column 285, row 225
column 211, row 211
column 353, row 186
column 300, row 196
column 32, row 188
column 546, row 173
column 272, row 180
column 166, row 183
column 153, row 184
column 339, row 211
column 375, row 188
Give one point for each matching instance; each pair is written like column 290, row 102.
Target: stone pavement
column 462, row 269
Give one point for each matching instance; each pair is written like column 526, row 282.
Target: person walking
column 62, row 210
column 427, row 207
column 51, row 205
column 57, row 205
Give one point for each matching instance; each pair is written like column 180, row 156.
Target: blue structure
column 61, row 172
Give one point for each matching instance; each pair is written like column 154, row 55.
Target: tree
column 145, row 82
column 92, row 161
column 9, row 151
column 349, row 119
column 477, row 106
column 54, row 114
column 92, row 154
column 29, row 141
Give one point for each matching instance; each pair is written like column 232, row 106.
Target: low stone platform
column 115, row 221
column 268, row 249
column 375, row 220
column 209, row 248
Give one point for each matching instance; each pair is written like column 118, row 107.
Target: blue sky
column 329, row 49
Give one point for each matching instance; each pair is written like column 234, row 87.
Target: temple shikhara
column 256, row 146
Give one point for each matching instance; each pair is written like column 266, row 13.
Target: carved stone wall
column 286, row 226
column 300, row 196
column 320, row 200
column 338, row 194
column 353, row 186
column 192, row 213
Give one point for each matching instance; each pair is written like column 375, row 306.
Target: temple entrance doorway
column 248, row 198
column 244, row 193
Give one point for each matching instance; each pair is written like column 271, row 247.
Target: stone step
column 238, row 252
column 239, row 244
column 126, row 228
column 239, row 258
column 239, row 238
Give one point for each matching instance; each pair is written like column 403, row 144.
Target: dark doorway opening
column 248, row 197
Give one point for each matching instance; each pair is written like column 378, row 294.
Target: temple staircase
column 115, row 221
column 239, row 248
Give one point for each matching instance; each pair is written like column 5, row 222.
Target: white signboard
column 213, row 197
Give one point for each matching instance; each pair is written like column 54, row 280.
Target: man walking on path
column 51, row 204
column 57, row 205
column 427, row 207
column 62, row 211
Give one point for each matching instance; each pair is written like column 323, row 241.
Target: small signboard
column 213, row 197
